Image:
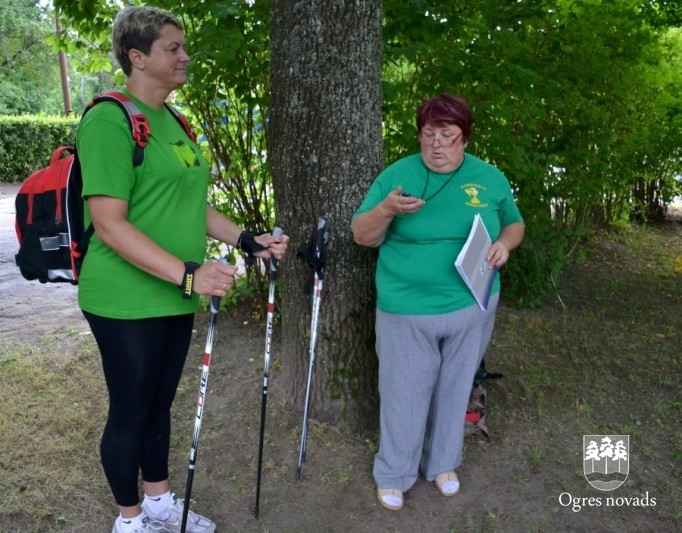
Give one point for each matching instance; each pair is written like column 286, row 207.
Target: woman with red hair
column 430, row 333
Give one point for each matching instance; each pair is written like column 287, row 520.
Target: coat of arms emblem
column 606, row 460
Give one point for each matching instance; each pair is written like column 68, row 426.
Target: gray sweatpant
column 427, row 365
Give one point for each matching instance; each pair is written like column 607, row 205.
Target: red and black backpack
column 49, row 207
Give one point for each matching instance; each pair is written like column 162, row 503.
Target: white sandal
column 391, row 499
column 447, row 484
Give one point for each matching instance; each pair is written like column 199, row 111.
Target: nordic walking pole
column 316, row 261
column 266, row 367
column 203, row 383
column 317, row 293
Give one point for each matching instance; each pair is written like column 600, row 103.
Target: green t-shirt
column 415, row 273
column 166, row 197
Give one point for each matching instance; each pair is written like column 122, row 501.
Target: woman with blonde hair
column 144, row 271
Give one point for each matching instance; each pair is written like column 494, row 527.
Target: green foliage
column 25, row 60
column 227, row 96
column 87, row 39
column 577, row 102
column 28, row 143
column 534, row 270
column 30, row 78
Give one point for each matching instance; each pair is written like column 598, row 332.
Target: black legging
column 142, row 361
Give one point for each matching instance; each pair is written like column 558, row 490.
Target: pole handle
column 215, row 300
column 277, row 231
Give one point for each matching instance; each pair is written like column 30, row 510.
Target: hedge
column 27, row 142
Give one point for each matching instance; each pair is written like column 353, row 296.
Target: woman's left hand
column 510, row 237
column 497, row 255
column 275, row 246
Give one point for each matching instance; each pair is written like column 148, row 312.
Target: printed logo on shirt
column 473, row 191
column 185, row 154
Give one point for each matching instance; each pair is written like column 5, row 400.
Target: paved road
column 29, row 308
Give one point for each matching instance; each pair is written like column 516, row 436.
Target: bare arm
column 110, row 219
column 369, row 228
column 222, row 228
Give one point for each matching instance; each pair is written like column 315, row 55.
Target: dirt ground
column 512, row 483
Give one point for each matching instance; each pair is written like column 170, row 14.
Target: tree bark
column 325, row 147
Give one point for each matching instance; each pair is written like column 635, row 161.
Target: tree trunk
column 325, row 147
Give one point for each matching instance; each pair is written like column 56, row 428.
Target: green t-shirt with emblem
column 166, row 198
column 415, row 272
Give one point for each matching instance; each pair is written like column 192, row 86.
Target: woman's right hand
column 214, row 279
column 369, row 228
column 399, row 203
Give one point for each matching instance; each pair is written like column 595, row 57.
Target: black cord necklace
column 428, row 177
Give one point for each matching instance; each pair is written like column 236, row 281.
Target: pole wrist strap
column 247, row 243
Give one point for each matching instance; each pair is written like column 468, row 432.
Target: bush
column 28, row 142
column 535, row 268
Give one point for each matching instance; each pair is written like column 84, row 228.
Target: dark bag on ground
column 49, row 207
column 474, row 421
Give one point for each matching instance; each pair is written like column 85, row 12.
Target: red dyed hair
column 446, row 110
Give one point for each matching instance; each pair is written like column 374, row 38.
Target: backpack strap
column 139, row 126
column 183, row 122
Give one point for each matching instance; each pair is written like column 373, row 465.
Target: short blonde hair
column 138, row 27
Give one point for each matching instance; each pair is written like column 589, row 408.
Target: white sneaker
column 171, row 518
column 146, row 526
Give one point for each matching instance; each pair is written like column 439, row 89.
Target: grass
column 609, row 362
column 53, row 410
